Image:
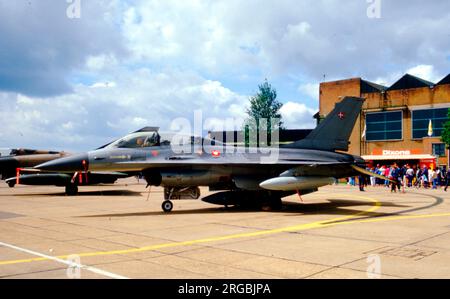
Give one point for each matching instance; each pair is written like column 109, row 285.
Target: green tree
column 446, row 132
column 263, row 105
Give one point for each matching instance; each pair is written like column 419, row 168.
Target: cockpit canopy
column 138, row 139
column 154, row 138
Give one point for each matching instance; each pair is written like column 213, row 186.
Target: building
column 395, row 121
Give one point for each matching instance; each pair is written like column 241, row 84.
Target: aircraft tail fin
column 333, row 133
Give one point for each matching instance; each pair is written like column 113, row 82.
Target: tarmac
column 120, row 231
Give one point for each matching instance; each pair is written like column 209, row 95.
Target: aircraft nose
column 6, row 162
column 8, row 166
column 67, row 164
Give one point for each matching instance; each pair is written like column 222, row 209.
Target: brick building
column 395, row 121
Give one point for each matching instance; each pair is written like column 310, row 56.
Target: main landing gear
column 272, row 203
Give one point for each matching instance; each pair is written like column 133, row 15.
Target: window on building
column 384, row 126
column 421, row 121
column 439, row 149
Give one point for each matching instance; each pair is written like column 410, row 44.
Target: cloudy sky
column 76, row 79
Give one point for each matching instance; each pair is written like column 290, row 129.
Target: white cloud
column 99, row 62
column 297, row 116
column 426, row 72
column 103, row 85
column 187, row 55
column 93, row 116
column 311, row 38
column 310, row 89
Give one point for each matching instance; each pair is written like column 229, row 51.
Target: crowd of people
column 406, row 176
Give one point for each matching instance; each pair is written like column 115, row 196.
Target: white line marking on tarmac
column 68, row 263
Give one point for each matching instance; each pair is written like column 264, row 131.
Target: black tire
column 272, row 203
column 276, row 203
column 195, row 193
column 11, row 184
column 167, row 206
column 71, row 190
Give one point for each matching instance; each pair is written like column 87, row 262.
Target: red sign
column 341, row 115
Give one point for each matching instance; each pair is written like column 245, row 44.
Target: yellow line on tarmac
column 391, row 218
column 299, row 227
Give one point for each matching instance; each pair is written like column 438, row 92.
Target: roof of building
column 369, row 87
column 409, row 81
column 445, row 80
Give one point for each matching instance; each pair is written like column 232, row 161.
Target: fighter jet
column 15, row 169
column 12, row 159
column 242, row 174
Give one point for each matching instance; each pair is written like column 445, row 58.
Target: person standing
column 394, row 176
column 361, row 182
column 387, row 173
column 438, row 177
column 380, row 171
column 425, row 177
column 447, row 179
column 432, row 178
column 401, row 177
column 373, row 180
column 409, row 176
column 418, row 177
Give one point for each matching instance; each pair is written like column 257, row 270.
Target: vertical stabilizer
column 333, row 133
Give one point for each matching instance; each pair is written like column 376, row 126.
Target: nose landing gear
column 167, row 206
column 176, row 193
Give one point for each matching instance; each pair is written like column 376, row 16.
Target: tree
column 446, row 132
column 263, row 106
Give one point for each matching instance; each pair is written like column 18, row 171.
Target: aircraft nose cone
column 8, row 167
column 7, row 162
column 67, row 164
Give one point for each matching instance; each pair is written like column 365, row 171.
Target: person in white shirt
column 409, row 176
column 432, row 177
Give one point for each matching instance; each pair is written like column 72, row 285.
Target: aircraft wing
column 143, row 165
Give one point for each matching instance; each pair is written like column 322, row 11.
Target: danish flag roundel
column 341, row 115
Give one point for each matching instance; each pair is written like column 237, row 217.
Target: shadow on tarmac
column 86, row 193
column 332, row 207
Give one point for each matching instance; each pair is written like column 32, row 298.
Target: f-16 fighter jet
column 243, row 174
column 12, row 159
column 15, row 169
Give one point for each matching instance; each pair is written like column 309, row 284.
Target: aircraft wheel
column 71, row 190
column 11, row 184
column 272, row 203
column 167, row 206
column 276, row 203
column 195, row 194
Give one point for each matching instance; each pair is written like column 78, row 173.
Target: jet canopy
column 154, row 138
column 137, row 140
